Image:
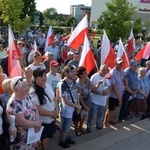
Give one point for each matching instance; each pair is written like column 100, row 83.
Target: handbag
column 76, row 116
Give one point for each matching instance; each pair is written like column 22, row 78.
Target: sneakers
column 64, row 144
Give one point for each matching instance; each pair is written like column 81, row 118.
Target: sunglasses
column 21, row 79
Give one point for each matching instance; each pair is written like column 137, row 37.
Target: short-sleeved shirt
column 67, row 111
column 26, row 108
column 117, row 78
column 33, row 67
column 143, row 86
column 53, row 80
column 131, row 76
column 49, row 104
column 73, row 62
column 86, row 89
column 97, row 98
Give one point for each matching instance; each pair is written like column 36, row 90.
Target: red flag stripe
column 77, row 36
column 87, row 58
column 14, row 68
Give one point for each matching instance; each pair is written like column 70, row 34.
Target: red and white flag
column 49, row 38
column 107, row 52
column 122, row 54
column 87, row 58
column 77, row 36
column 14, row 68
column 131, row 43
column 143, row 53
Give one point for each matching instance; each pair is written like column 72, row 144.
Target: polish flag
column 107, row 52
column 35, row 46
column 87, row 59
column 143, row 53
column 122, row 54
column 131, row 43
column 49, row 38
column 14, row 68
column 77, row 36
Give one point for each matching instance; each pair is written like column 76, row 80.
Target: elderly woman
column 141, row 96
column 26, row 113
column 44, row 97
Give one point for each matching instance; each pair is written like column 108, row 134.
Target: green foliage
column 51, row 17
column 117, row 19
column 29, row 9
column 10, row 14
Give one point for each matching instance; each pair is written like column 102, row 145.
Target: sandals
column 83, row 131
column 78, row 133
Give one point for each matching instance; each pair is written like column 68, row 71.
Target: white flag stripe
column 105, row 47
column 80, row 27
column 86, row 48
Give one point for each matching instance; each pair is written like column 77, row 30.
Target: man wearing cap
column 70, row 57
column 75, row 60
column 116, row 93
column 53, row 77
column 49, row 56
column 131, row 88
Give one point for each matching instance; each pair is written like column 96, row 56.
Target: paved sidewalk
column 133, row 137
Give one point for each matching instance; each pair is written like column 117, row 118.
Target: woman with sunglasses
column 26, row 113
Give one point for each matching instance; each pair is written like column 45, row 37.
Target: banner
column 145, row 1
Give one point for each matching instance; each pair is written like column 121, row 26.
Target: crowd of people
column 53, row 86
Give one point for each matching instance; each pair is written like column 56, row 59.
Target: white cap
column 70, row 53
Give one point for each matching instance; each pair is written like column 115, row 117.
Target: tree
column 41, row 19
column 71, row 21
column 29, row 9
column 116, row 19
column 50, row 13
column 10, row 14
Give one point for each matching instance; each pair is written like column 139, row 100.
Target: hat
column 70, row 53
column 53, row 63
column 50, row 54
column 133, row 63
column 119, row 60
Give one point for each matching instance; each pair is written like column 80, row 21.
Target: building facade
column 78, row 11
column 98, row 6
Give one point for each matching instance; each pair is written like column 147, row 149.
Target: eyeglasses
column 21, row 79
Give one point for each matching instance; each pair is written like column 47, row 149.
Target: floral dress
column 27, row 108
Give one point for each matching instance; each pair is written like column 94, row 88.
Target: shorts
column 66, row 124
column 113, row 103
column 48, row 131
column 84, row 113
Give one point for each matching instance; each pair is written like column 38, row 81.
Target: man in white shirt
column 99, row 100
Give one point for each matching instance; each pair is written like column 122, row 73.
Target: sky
column 62, row 6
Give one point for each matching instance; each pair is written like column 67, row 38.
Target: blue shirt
column 131, row 76
column 143, row 86
column 117, row 78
